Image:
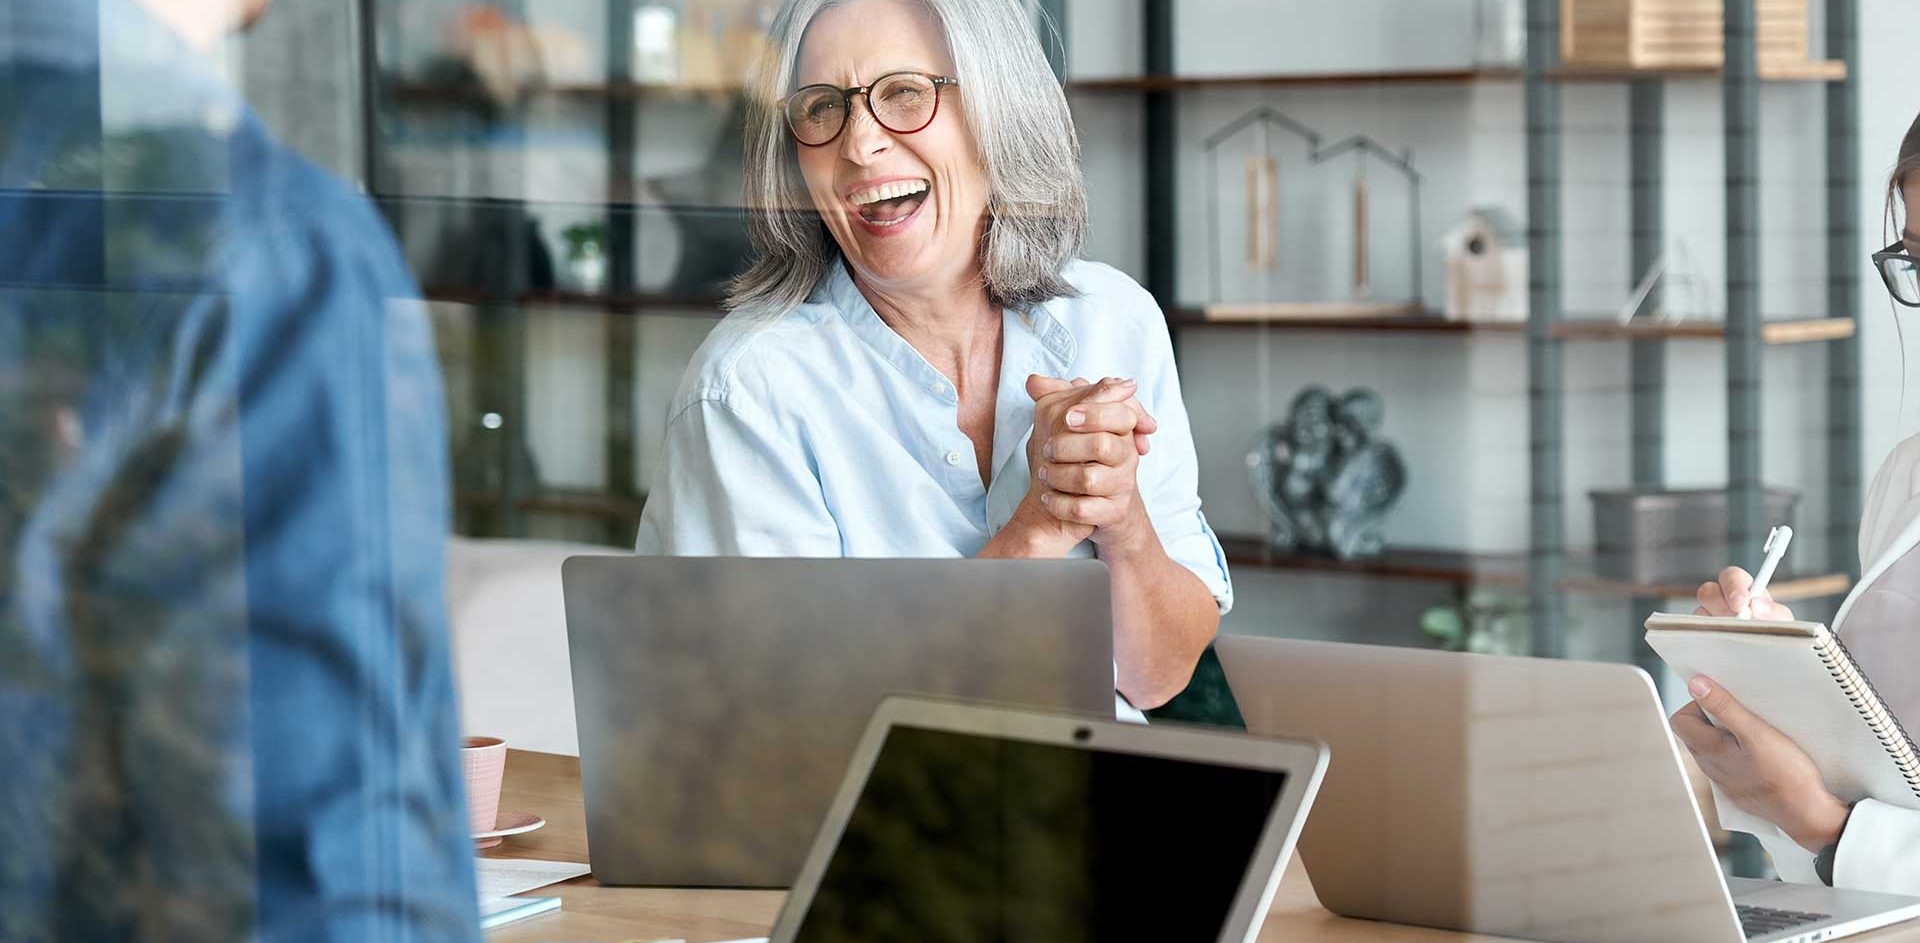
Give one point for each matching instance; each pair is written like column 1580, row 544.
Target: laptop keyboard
column 1760, row 921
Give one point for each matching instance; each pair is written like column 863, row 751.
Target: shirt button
column 953, row 456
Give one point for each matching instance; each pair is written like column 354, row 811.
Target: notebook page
column 1783, row 680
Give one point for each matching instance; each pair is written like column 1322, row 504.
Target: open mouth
column 890, row 204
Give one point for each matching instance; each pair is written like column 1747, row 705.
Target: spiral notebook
column 1798, row 677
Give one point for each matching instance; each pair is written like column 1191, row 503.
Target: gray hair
column 1036, row 203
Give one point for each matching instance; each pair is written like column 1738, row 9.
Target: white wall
column 1889, row 100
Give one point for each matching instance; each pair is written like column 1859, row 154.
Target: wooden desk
column 549, row 786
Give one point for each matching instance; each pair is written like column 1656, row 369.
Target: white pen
column 1776, row 547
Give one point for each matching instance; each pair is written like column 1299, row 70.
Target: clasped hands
column 1756, row 766
column 1083, row 460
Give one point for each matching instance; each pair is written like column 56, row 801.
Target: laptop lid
column 959, row 822
column 719, row 699
column 1532, row 798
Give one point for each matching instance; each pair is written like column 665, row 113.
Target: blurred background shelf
column 695, row 305
column 1173, row 83
column 1819, row 586
column 1503, row 571
column 1813, row 70
column 1810, row 71
column 567, row 501
column 1775, row 332
column 473, row 93
column 1447, row 566
column 1578, row 328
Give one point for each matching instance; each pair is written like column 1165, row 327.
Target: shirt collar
column 1056, row 348
column 1055, row 339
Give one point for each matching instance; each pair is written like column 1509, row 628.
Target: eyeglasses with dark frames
column 1901, row 272
column 902, row 102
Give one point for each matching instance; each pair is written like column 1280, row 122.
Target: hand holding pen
column 1738, row 594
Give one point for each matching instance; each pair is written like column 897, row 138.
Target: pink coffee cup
column 483, row 762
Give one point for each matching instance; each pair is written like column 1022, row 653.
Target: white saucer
column 507, row 823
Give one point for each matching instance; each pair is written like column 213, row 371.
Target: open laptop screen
column 970, row 839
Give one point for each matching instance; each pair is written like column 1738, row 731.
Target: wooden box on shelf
column 1674, row 34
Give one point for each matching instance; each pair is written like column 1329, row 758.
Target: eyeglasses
column 1901, row 272
column 903, row 102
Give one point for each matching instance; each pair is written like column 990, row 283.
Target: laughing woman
column 901, row 373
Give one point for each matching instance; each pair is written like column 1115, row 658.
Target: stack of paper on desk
column 498, row 879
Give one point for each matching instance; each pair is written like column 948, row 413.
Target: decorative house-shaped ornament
column 1486, row 267
column 1302, row 229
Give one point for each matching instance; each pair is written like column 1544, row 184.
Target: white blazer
column 1880, row 622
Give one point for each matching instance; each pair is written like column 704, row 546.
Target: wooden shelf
column 566, row 501
column 1172, row 83
column 474, row 94
column 1191, row 318
column 1586, row 328
column 1499, row 570
column 677, row 305
column 1810, row 71
column 1783, row 590
column 1279, row 311
column 1791, row 331
column 1445, row 566
column 1813, row 70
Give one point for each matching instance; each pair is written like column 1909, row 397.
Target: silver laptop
column 719, row 699
column 1522, row 797
column 972, row 823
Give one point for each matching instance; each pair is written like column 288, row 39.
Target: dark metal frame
column 1546, row 406
column 623, row 340
column 1646, row 140
column 1844, row 471
column 1741, row 105
column 1053, row 35
column 1162, row 158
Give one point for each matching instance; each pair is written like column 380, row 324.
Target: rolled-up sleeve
column 1169, row 477
column 731, row 485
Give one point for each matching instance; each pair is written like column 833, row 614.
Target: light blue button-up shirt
column 820, row 432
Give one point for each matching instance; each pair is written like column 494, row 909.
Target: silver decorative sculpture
column 1325, row 478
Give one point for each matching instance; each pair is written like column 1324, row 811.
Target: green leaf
column 1442, row 622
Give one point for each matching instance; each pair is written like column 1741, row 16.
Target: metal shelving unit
column 1546, row 571
column 501, row 307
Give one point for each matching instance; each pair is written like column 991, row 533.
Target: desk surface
column 549, row 786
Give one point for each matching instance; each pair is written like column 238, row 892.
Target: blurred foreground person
column 226, row 704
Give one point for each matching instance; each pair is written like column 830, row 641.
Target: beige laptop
column 1531, row 798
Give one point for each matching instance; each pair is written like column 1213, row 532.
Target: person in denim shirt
column 226, row 704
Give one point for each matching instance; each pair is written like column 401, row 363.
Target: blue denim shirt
column 226, row 703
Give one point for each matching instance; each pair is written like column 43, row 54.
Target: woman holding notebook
column 1868, row 845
